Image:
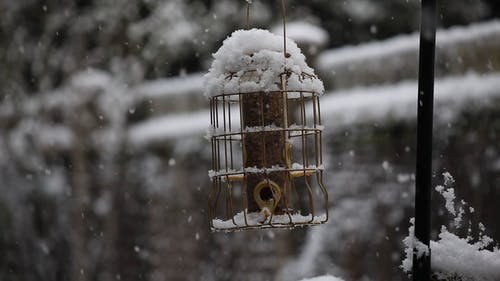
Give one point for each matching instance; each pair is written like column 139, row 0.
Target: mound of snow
column 253, row 61
column 455, row 256
column 451, row 255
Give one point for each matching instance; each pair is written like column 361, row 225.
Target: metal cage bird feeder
column 267, row 166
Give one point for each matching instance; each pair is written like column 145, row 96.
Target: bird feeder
column 267, row 168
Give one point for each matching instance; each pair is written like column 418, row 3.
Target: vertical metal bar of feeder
column 286, row 148
column 319, row 173
column 227, row 167
column 224, row 127
column 320, row 133
column 216, row 185
column 231, row 137
column 305, row 155
column 210, row 195
column 244, row 187
column 422, row 264
column 315, row 127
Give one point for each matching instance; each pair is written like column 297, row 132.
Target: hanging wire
column 283, row 15
column 248, row 14
column 283, row 75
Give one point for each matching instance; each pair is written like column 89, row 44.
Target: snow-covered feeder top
column 252, row 61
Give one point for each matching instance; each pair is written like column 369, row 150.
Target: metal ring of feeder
column 275, row 190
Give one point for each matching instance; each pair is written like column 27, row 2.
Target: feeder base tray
column 242, row 221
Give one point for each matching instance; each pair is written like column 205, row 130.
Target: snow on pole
column 454, row 257
column 425, row 106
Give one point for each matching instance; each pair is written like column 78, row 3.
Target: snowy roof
column 253, row 60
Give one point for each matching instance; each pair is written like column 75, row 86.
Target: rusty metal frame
column 229, row 177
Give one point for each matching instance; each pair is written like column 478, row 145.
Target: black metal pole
column 422, row 265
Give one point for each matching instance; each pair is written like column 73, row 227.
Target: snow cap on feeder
column 265, row 134
column 259, row 53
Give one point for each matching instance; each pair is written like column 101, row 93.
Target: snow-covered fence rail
column 347, row 107
column 343, row 107
column 474, row 47
column 398, row 102
column 459, row 49
column 171, row 95
column 169, row 127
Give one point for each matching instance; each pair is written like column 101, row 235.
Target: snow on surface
column 452, row 255
column 455, row 255
column 323, row 278
column 255, row 170
column 371, row 104
column 331, row 58
column 91, row 78
column 259, row 220
column 405, row 43
column 362, row 10
column 253, row 61
column 179, row 34
column 303, row 32
column 347, row 107
column 192, row 83
column 294, row 129
column 304, row 264
column 449, row 195
column 169, row 127
column 411, row 244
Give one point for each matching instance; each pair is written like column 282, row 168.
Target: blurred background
column 103, row 160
